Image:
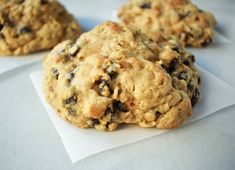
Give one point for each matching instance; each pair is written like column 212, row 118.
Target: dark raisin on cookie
column 206, row 42
column 107, row 124
column 191, row 86
column 187, row 63
column 119, row 106
column 184, row 15
column 109, row 110
column 200, row 10
column 71, row 101
column 95, row 122
column 55, row 73
column 116, row 107
column 176, row 49
column 112, row 71
column 25, row 30
column 195, row 97
column 8, row 22
column 1, row 27
column 182, row 75
column 158, row 114
column 199, row 80
column 173, row 65
column 73, row 53
column 72, row 111
column 146, row 5
column 1, row 36
column 44, row 2
column 71, row 76
column 192, row 58
column 103, row 82
column 21, row 1
column 104, row 87
column 113, row 74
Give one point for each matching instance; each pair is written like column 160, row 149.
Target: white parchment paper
column 9, row 62
column 81, row 143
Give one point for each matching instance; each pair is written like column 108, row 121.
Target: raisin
column 2, row 36
column 72, row 111
column 206, row 42
column 25, row 30
column 107, row 125
column 21, row 1
column 176, row 49
column 183, row 16
column 71, row 101
column 44, row 2
column 71, row 76
column 172, row 66
column 95, row 122
column 158, row 114
column 209, row 40
column 187, row 63
column 190, row 86
column 1, row 27
column 8, row 22
column 104, row 87
column 195, row 97
column 199, row 80
column 192, row 58
column 73, row 51
column 182, row 75
column 104, row 82
column 116, row 107
column 112, row 71
column 119, row 107
column 56, row 73
column 146, row 5
column 113, row 74
column 109, row 110
column 200, row 10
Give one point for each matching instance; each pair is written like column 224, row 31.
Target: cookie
column 28, row 26
column 181, row 18
column 116, row 75
column 179, row 63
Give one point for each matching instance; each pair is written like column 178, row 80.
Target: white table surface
column 29, row 141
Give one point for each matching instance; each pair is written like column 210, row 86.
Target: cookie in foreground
column 116, row 75
column 181, row 18
column 34, row 25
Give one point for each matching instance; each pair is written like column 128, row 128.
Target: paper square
column 81, row 143
column 11, row 62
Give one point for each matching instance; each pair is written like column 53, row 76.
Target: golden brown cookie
column 181, row 18
column 114, row 74
column 28, row 26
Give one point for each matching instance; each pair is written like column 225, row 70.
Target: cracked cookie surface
column 193, row 26
column 28, row 26
column 114, row 74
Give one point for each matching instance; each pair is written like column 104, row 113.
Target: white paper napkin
column 81, row 143
column 9, row 62
column 218, row 59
